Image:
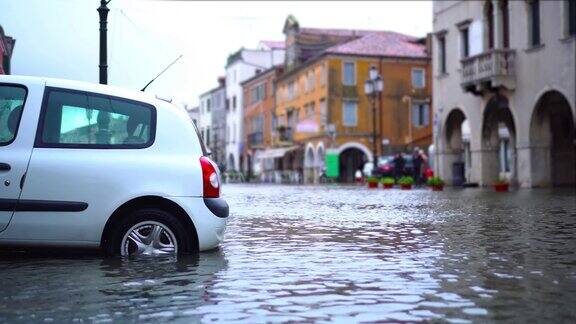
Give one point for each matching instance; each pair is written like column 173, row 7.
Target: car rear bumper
column 209, row 218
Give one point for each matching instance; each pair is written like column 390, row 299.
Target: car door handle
column 5, row 167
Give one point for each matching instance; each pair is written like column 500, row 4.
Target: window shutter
column 415, row 115
column 426, row 114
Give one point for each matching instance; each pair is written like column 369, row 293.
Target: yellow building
column 321, row 104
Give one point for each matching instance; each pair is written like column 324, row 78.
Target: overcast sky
column 59, row 38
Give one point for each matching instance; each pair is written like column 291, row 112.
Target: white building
column 509, row 69
column 193, row 113
column 241, row 66
column 205, row 118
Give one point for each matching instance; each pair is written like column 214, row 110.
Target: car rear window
column 80, row 119
column 12, row 99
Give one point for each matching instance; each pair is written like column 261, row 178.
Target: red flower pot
column 405, row 186
column 372, row 185
column 437, row 187
column 501, row 187
column 388, row 185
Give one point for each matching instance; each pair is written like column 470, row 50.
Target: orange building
column 321, row 103
column 258, row 94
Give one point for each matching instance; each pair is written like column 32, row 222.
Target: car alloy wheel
column 149, row 238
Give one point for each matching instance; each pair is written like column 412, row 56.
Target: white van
column 86, row 165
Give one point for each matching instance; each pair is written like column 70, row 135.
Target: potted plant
column 388, row 182
column 501, row 185
column 406, row 182
column 372, row 182
column 436, row 183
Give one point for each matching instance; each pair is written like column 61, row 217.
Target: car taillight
column 210, row 178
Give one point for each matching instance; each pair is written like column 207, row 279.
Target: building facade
column 259, row 104
column 242, row 65
column 193, row 113
column 504, row 73
column 218, row 131
column 6, row 48
column 321, row 106
column 212, row 121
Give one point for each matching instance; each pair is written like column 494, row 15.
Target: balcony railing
column 492, row 69
column 256, row 138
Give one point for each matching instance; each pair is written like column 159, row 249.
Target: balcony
column 283, row 136
column 256, row 139
column 489, row 70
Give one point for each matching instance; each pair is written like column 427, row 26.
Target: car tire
column 156, row 229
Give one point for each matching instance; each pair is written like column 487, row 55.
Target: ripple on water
column 338, row 253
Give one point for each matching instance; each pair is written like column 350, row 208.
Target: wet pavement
column 343, row 254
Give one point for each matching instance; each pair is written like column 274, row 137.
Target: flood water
column 344, row 254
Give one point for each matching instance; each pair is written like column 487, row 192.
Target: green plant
column 435, row 181
column 372, row 180
column 388, row 180
column 501, row 181
column 406, row 180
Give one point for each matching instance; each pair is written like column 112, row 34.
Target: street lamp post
column 373, row 87
column 103, row 12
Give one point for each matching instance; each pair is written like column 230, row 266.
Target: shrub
column 372, row 179
column 435, row 181
column 388, row 180
column 501, row 181
column 406, row 180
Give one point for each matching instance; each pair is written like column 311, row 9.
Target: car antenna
column 146, row 86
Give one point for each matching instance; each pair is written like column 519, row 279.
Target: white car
column 93, row 166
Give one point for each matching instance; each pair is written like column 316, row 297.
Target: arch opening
column 553, row 142
column 352, row 159
column 457, row 153
column 498, row 142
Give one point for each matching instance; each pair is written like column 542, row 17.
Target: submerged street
column 334, row 253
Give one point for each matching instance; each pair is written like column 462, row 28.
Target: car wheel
column 148, row 231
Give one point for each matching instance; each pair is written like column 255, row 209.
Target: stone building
column 322, row 108
column 240, row 66
column 505, row 70
column 212, row 121
column 259, row 104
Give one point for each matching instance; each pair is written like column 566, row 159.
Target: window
column 534, row 22
column 257, row 93
column 489, row 19
column 350, row 114
column 442, row 54
column 570, row 6
column 349, row 75
column 323, row 74
column 464, row 42
column 207, row 136
column 11, row 102
column 291, row 90
column 420, row 114
column 233, row 103
column 323, row 112
column 418, row 78
column 208, row 103
column 79, row 119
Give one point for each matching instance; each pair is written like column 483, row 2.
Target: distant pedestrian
column 417, row 162
column 399, row 163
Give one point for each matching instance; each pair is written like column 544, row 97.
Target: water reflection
column 59, row 288
column 331, row 254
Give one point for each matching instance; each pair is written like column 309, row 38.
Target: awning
column 275, row 152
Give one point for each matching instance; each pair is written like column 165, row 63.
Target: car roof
column 83, row 86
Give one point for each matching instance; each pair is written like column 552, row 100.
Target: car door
column 19, row 109
column 77, row 172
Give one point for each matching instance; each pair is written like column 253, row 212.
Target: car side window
column 11, row 104
column 78, row 119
